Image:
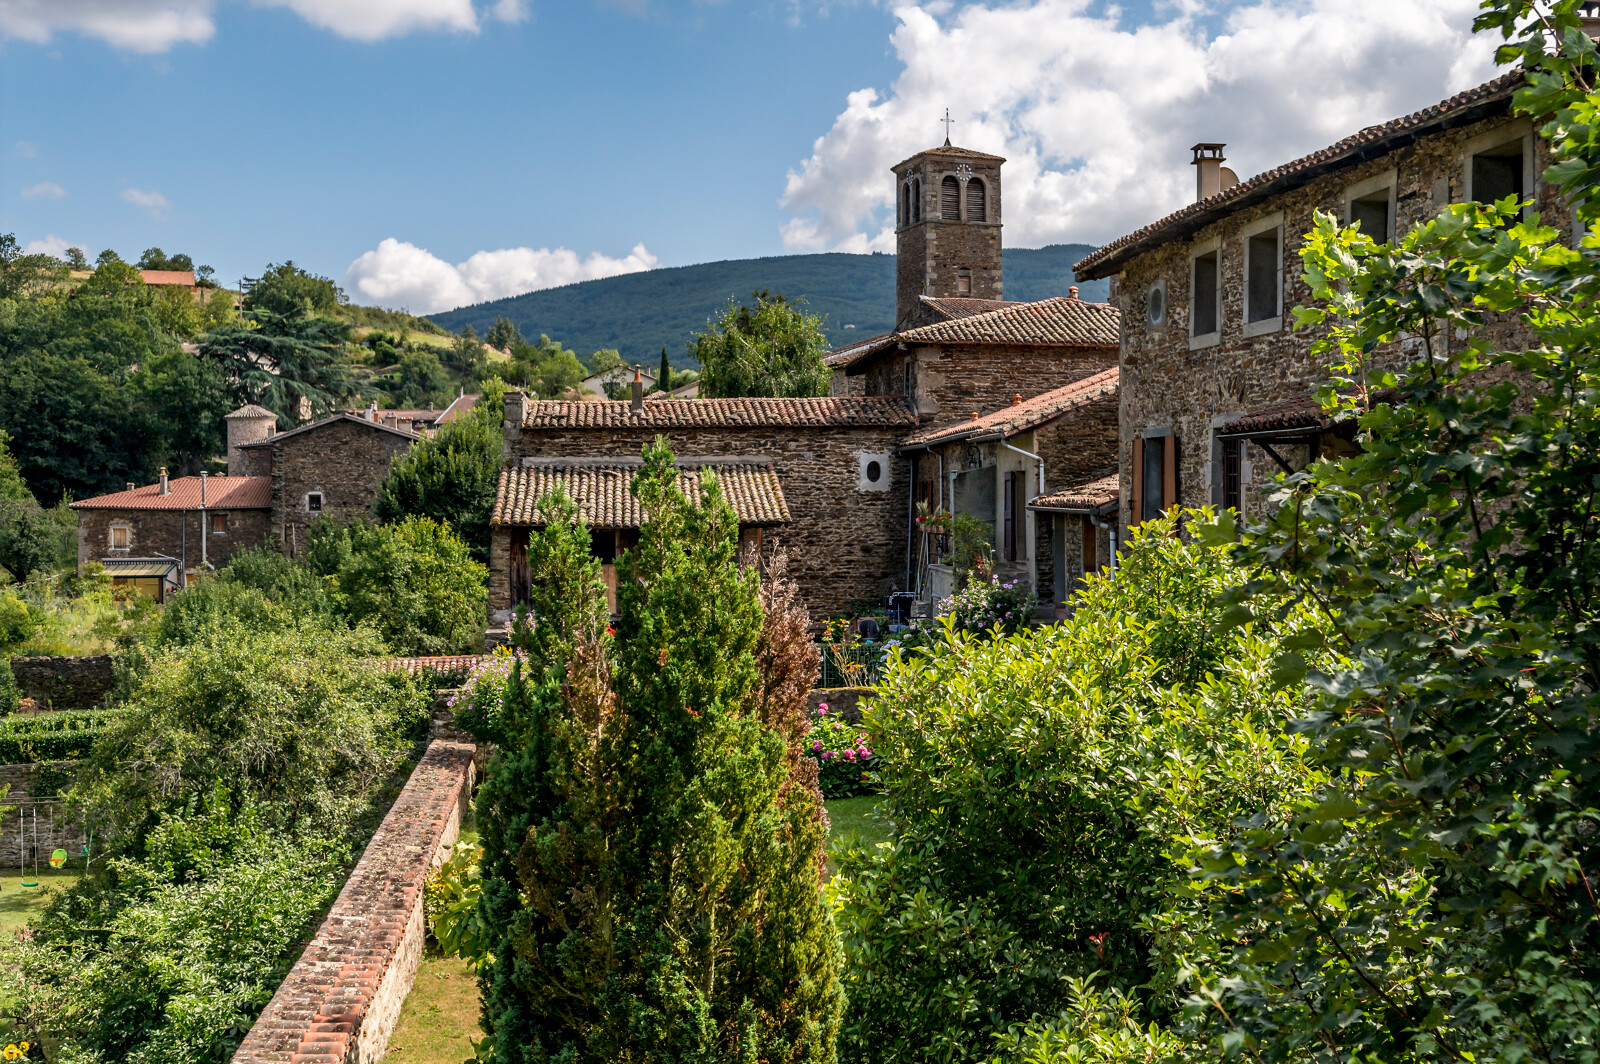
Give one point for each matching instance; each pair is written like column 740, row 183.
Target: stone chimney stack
column 165, row 490
column 1210, row 176
column 516, row 409
column 638, row 389
column 248, row 424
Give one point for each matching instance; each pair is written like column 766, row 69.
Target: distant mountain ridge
column 640, row 313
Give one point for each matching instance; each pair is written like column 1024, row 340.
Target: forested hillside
column 640, row 313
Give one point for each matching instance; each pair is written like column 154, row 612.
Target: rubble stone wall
column 343, row 461
column 174, row 533
column 65, row 682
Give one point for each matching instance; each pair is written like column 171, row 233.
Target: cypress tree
column 664, row 378
column 652, row 864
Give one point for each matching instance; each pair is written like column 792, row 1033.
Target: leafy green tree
column 284, row 361
column 452, row 475
column 1435, row 900
column 75, row 259
column 421, row 381
column 156, row 259
column 503, row 334
column 773, row 348
column 22, row 276
column 545, row 368
column 602, row 360
column 656, row 779
column 107, row 258
column 413, row 581
column 286, row 290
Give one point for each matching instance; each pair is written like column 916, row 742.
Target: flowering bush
column 482, row 695
column 846, row 765
column 989, row 603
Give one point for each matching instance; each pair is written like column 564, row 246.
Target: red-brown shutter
column 950, row 199
column 1169, row 474
column 976, row 205
column 1090, row 562
column 1136, row 504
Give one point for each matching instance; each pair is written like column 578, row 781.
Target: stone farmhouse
column 973, row 403
column 1216, row 386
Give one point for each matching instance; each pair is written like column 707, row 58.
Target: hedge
column 59, row 736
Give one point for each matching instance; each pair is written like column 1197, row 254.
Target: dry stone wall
column 340, row 1002
column 65, row 682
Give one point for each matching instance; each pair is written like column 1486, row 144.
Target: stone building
column 818, row 478
column 332, row 468
column 153, row 538
column 1216, row 385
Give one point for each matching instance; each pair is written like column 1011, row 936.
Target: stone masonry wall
column 174, row 533
column 1165, row 384
column 35, row 789
column 346, row 461
column 843, row 544
column 950, row 382
column 930, row 252
column 340, row 1002
column 63, row 682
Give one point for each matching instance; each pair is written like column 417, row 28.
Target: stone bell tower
column 947, row 226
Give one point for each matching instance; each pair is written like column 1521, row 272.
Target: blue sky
column 394, row 140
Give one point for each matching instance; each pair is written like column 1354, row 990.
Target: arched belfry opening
column 947, row 246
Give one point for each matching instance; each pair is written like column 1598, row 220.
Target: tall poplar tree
column 652, row 865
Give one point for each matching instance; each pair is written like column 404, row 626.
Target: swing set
column 29, row 818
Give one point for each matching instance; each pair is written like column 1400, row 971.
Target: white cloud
column 1095, row 115
column 154, row 202
column 44, row 190
column 158, row 25
column 27, row 149
column 398, row 274
column 52, row 245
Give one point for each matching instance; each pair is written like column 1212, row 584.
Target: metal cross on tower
column 948, row 122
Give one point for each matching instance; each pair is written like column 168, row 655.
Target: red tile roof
column 456, row 409
column 250, row 410
column 1059, row 321
column 838, row 412
column 179, row 277
column 963, row 306
column 222, row 493
column 1096, row 495
column 1489, row 98
column 603, row 491
column 1023, row 416
column 947, row 149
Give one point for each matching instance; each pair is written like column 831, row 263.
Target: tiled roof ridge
column 341, row 416
column 249, row 410
column 183, row 493
column 1019, row 417
column 950, row 149
column 603, row 492
column 750, row 412
column 1038, row 323
column 1370, row 134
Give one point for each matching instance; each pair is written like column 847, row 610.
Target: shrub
column 986, row 603
column 480, row 700
column 1037, row 783
column 845, row 762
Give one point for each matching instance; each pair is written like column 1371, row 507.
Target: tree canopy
column 286, row 289
column 287, row 362
column 770, row 348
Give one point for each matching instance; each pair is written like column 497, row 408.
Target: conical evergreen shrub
column 652, row 864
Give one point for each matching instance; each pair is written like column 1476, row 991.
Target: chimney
column 1072, row 291
column 638, row 389
column 516, row 409
column 1210, row 176
column 165, row 490
column 131, row 485
column 1016, row 400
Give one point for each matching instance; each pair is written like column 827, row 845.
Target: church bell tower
column 947, row 229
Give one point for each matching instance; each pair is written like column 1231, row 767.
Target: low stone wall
column 65, row 683
column 340, row 1002
column 56, row 826
column 841, row 701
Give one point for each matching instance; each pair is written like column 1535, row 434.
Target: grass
column 440, row 1017
column 852, row 816
column 19, row 904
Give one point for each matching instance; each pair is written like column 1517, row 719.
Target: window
column 949, row 199
column 977, row 197
column 1206, row 312
column 1371, row 205
column 1155, row 304
column 964, row 282
column 119, row 537
column 916, row 200
column 219, row 524
column 1090, row 563
column 314, row 500
column 1155, row 474
column 1263, row 281
column 1232, row 473
column 873, row 472
column 1151, row 501
column 1011, row 536
column 905, row 203
column 1497, row 173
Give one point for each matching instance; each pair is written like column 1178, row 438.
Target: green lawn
column 853, row 816
column 440, row 1017
column 18, row 904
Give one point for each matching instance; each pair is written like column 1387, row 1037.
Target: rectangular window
column 1151, row 502
column 1009, row 536
column 1232, row 473
column 119, row 539
column 219, row 524
column 1498, row 173
column 314, row 502
column 1263, row 262
column 1203, row 317
column 1372, row 214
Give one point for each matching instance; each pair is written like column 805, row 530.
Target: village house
column 836, row 481
column 1217, row 388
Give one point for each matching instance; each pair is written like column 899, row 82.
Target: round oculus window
column 874, row 472
column 1156, row 305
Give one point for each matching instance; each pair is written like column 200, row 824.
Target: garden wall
column 340, row 1002
column 842, row 702
column 65, row 683
column 56, row 825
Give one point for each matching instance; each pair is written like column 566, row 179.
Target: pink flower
column 849, row 755
column 863, row 753
column 817, row 745
column 822, row 710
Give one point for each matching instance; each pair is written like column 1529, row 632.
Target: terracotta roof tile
column 1366, row 144
column 1059, row 321
column 1095, row 495
column 839, row 412
column 179, row 277
column 964, row 306
column 947, row 149
column 315, row 425
column 604, row 493
column 1028, row 414
column 222, row 493
column 250, row 410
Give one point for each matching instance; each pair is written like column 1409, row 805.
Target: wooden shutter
column 950, row 199
column 1090, row 562
column 1169, row 474
column 976, row 205
column 1009, row 536
column 1136, row 504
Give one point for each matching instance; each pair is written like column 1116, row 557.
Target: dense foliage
column 651, row 833
column 291, row 362
column 1039, row 785
column 845, row 761
column 773, row 348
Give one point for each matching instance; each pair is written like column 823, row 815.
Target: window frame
column 966, row 199
column 1166, row 304
column 127, row 536
column 1388, row 180
column 1498, row 137
column 945, row 182
column 1266, row 223
column 211, row 525
column 1200, row 250
column 322, row 502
